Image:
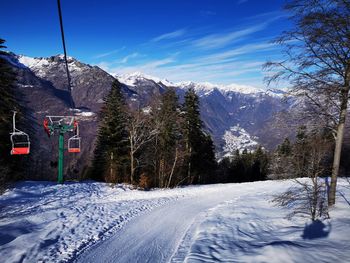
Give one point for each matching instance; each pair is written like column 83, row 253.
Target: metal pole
column 14, row 121
column 60, row 157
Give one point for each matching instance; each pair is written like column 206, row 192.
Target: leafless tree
column 140, row 133
column 308, row 195
column 317, row 64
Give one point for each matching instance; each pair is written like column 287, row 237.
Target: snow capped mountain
column 206, row 87
column 248, row 109
column 131, row 79
column 222, row 106
column 202, row 88
column 39, row 65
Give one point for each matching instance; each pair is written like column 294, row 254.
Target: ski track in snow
column 93, row 222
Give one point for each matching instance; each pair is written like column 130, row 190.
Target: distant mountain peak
column 131, row 79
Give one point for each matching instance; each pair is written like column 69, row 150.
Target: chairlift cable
column 65, row 54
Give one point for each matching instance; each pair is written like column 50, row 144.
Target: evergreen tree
column 169, row 138
column 208, row 167
column 199, row 160
column 285, row 148
column 7, row 105
column 260, row 164
column 111, row 153
column 301, row 152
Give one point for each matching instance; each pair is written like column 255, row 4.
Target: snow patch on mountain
column 39, row 65
column 33, row 62
column 202, row 88
column 238, row 138
column 131, row 79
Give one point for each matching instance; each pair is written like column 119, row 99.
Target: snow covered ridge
column 203, row 88
column 39, row 65
column 133, row 78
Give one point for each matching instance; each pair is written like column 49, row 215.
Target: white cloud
column 223, row 39
column 245, row 49
column 126, row 58
column 106, row 54
column 170, row 35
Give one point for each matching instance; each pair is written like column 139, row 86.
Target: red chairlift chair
column 19, row 140
column 74, row 141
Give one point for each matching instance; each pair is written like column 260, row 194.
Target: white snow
column 87, row 114
column 38, row 65
column 249, row 229
column 93, row 222
column 202, row 88
column 131, row 79
column 33, row 62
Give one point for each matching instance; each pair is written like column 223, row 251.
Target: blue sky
column 222, row 41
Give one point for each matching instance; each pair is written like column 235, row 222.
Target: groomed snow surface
column 94, row 222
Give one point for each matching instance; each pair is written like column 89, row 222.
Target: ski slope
column 93, row 222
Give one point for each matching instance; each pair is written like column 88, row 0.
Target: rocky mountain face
column 42, row 88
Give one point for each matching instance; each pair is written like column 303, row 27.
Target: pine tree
column 301, row 152
column 199, row 147
column 169, row 138
column 7, row 105
column 285, row 148
column 260, row 164
column 111, row 153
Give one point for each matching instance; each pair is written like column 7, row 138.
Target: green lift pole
column 58, row 124
column 60, row 157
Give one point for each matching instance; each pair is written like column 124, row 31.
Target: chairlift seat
column 20, row 143
column 20, row 150
column 74, row 150
column 74, row 144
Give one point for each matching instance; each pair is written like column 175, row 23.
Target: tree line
column 162, row 145
column 244, row 166
column 8, row 103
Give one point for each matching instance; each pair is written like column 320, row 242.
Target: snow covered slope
column 92, row 222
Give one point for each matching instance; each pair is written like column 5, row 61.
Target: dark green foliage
column 169, row 130
column 245, row 167
column 169, row 138
column 199, row 146
column 111, row 153
column 285, row 148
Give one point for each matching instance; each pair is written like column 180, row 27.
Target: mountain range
column 236, row 116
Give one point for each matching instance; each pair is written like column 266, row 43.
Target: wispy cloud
column 170, row 35
column 128, row 57
column 220, row 67
column 232, row 54
column 146, row 67
column 114, row 51
column 223, row 39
